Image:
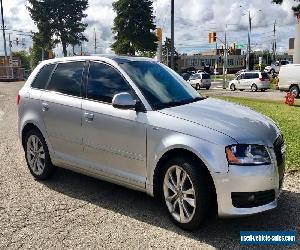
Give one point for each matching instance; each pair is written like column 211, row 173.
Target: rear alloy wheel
column 295, row 91
column 187, row 193
column 254, row 87
column 37, row 155
column 232, row 87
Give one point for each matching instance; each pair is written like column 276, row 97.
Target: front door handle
column 45, row 106
column 89, row 116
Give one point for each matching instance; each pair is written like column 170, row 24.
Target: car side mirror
column 124, row 100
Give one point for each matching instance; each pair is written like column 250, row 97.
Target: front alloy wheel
column 179, row 194
column 188, row 192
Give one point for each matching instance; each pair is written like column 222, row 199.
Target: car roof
column 105, row 57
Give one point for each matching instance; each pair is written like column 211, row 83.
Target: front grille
column 280, row 158
column 252, row 199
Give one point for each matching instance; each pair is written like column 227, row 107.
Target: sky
column 194, row 19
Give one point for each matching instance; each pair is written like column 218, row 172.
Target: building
column 235, row 62
column 11, row 71
column 291, row 46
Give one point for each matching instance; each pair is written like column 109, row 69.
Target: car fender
column 211, row 154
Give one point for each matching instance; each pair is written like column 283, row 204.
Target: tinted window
column 265, row 75
column 254, row 75
column 205, row 76
column 67, row 78
column 42, row 77
column 104, row 82
column 247, row 76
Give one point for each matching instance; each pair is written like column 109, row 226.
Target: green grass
column 288, row 118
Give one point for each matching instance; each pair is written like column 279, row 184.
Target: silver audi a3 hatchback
column 134, row 122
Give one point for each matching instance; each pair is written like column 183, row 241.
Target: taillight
column 261, row 78
column 18, row 99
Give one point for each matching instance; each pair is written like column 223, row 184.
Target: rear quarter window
column 42, row 77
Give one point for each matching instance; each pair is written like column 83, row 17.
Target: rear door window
column 42, row 77
column 205, row 76
column 254, row 75
column 265, row 75
column 67, row 78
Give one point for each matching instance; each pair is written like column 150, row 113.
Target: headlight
column 247, row 155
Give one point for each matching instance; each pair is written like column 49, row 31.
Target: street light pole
column 3, row 30
column 172, row 34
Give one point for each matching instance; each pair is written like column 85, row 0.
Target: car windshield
column 161, row 86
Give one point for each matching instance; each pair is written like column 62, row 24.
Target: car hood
column 238, row 122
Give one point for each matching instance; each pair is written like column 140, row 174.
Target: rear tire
column 207, row 88
column 262, row 90
column 37, row 155
column 232, row 87
column 187, row 192
column 254, row 87
column 295, row 91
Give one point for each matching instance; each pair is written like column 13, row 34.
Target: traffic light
column 17, row 41
column 222, row 50
column 212, row 37
column 50, row 54
column 159, row 34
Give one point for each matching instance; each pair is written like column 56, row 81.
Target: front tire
column 187, row 192
column 37, row 155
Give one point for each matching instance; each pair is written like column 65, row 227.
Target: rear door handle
column 89, row 116
column 45, row 106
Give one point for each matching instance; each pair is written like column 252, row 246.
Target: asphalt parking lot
column 79, row 212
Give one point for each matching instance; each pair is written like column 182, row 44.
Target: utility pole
column 225, row 59
column 249, row 42
column 172, row 34
column 95, row 41
column 274, row 41
column 10, row 56
column 3, row 30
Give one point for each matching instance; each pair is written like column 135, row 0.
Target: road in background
column 79, row 212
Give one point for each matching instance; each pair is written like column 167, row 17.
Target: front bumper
column 245, row 179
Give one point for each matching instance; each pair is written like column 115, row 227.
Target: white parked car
column 200, row 80
column 289, row 78
column 275, row 67
column 251, row 80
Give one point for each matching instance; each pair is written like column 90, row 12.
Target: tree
column 24, row 57
column 59, row 19
column 134, row 27
column 296, row 8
